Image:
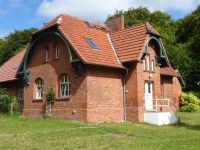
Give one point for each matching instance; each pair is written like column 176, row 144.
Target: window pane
column 57, row 51
column 149, row 88
column 64, row 86
column 39, row 88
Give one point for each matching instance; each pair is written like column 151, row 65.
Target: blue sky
column 24, row 14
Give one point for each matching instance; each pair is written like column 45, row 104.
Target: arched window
column 152, row 65
column 39, row 88
column 46, row 53
column 64, row 86
column 57, row 51
column 148, row 61
column 144, row 64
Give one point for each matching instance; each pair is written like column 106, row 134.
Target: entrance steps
column 160, row 118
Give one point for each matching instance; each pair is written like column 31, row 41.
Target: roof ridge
column 151, row 29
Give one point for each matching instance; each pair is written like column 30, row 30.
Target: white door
column 148, row 96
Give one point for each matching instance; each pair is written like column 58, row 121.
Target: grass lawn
column 27, row 133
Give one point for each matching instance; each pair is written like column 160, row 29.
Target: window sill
column 45, row 62
column 56, row 59
column 38, row 100
column 149, row 71
column 63, row 98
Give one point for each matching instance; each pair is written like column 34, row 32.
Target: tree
column 188, row 32
column 15, row 42
column 1, row 44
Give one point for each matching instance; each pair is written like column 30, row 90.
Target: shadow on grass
column 188, row 126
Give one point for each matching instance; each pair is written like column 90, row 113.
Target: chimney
column 115, row 23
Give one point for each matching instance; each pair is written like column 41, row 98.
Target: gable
column 75, row 31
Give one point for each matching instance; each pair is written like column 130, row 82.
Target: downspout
column 124, row 94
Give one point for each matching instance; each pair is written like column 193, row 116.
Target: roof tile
column 9, row 69
column 169, row 71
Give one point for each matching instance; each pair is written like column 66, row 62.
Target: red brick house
column 98, row 73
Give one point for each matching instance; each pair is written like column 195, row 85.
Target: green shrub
column 196, row 93
column 15, row 103
column 189, row 102
column 2, row 91
column 50, row 95
column 4, row 103
column 7, row 103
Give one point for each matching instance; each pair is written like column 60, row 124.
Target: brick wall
column 97, row 96
column 73, row 108
column 177, row 90
column 135, row 87
column 105, row 95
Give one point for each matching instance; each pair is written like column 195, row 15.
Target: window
column 88, row 24
column 148, row 65
column 152, row 65
column 91, row 43
column 46, row 53
column 149, row 87
column 57, row 51
column 64, row 86
column 39, row 88
column 144, row 64
column 20, row 94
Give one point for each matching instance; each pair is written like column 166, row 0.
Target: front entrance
column 148, row 95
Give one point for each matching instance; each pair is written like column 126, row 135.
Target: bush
column 15, row 104
column 5, row 103
column 50, row 96
column 2, row 91
column 189, row 102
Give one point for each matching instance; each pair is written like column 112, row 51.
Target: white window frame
column 20, row 94
column 152, row 65
column 144, row 64
column 57, row 51
column 47, row 54
column 39, row 88
column 148, row 61
column 64, row 86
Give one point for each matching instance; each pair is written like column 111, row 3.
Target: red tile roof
column 130, row 42
column 74, row 30
column 169, row 71
column 9, row 69
column 150, row 29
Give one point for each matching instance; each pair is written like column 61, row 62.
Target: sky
column 24, row 14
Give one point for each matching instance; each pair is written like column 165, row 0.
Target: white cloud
column 97, row 10
column 4, row 33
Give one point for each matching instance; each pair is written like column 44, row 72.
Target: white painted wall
column 160, row 118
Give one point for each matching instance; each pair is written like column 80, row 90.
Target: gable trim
column 162, row 55
column 113, row 48
column 25, row 74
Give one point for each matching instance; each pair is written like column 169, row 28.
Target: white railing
column 159, row 103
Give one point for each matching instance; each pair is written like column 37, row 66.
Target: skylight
column 91, row 43
column 88, row 24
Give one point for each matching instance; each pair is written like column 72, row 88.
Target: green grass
column 28, row 133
